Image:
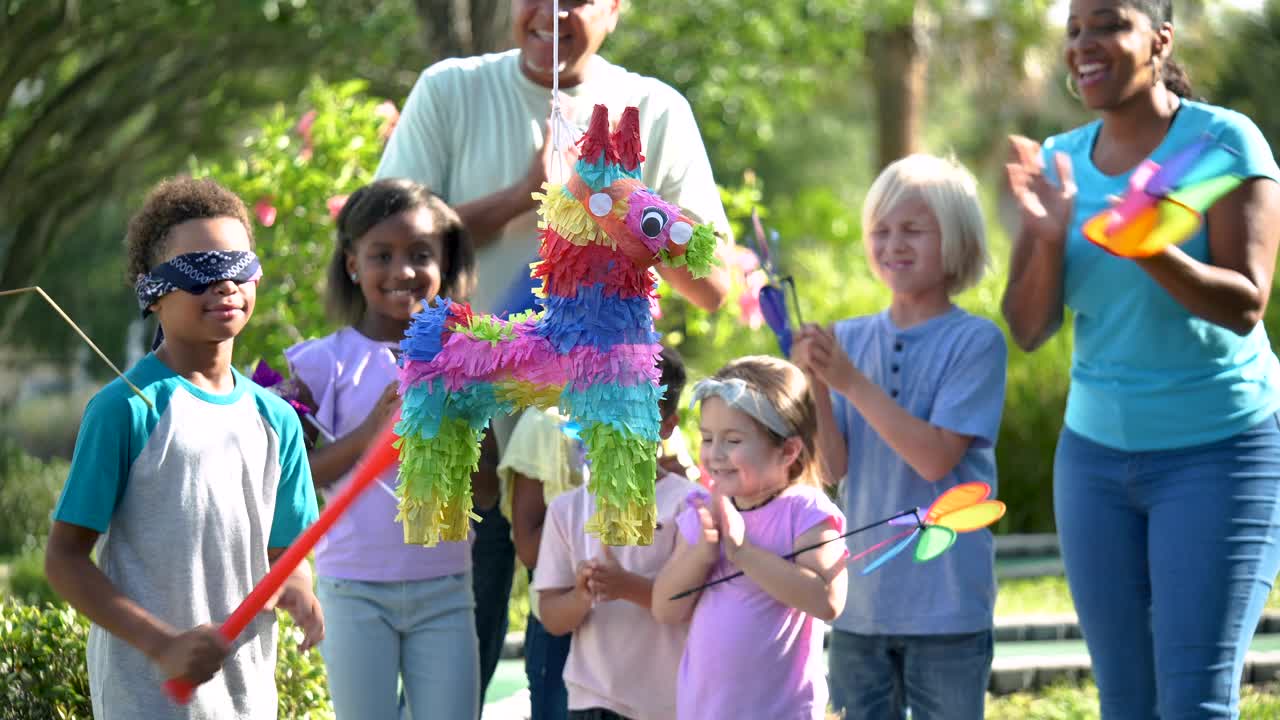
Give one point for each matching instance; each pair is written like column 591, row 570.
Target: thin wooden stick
column 39, row 291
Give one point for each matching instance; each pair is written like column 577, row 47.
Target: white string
column 558, row 123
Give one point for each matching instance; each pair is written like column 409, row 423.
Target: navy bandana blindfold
column 195, row 273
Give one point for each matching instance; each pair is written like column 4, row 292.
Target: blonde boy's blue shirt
column 1145, row 373
column 189, row 494
column 950, row 372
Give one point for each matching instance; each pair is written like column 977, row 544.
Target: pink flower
column 305, row 122
column 265, row 211
column 303, row 128
column 749, row 299
column 336, row 204
column 743, row 259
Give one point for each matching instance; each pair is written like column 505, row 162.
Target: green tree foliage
column 294, row 173
column 1249, row 69
column 752, row 69
column 99, row 100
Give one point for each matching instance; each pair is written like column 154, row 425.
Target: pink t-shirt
column 346, row 373
column 621, row 658
column 748, row 655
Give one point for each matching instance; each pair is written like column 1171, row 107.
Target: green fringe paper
column 489, row 329
column 435, row 483
column 623, row 469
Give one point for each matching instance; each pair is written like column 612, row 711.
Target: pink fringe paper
column 532, row 359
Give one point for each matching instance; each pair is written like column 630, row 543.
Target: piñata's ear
column 626, row 140
column 596, row 141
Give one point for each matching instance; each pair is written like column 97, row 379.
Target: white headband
column 738, row 394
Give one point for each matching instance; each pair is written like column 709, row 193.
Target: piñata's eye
column 652, row 221
column 600, row 204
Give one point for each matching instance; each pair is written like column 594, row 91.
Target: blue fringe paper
column 422, row 409
column 601, row 174
column 426, row 403
column 424, row 338
column 631, row 409
column 594, row 319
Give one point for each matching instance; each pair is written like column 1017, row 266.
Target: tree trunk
column 460, row 28
column 898, row 65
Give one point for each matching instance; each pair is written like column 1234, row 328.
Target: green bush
column 28, row 491
column 42, row 662
column 43, row 673
column 301, row 682
column 27, row 582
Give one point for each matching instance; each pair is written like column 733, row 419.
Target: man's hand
column 546, row 165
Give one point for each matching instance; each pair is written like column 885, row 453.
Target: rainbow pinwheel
column 963, row 508
column 1165, row 205
column 773, row 301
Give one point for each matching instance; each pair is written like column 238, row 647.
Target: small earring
column 1071, row 86
column 353, row 278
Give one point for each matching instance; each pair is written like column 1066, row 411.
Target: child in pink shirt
column 758, row 427
column 622, row 663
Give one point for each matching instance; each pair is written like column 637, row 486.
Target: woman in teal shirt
column 1167, row 472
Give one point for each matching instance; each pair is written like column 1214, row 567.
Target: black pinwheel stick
column 807, row 548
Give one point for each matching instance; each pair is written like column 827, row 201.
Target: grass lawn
column 1069, row 702
column 1049, row 596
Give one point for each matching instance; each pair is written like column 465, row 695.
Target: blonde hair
column 786, row 387
column 951, row 192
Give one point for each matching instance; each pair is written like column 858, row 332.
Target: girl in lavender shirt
column 396, row 611
column 758, row 427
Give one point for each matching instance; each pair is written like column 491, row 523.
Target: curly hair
column 173, row 202
column 372, row 204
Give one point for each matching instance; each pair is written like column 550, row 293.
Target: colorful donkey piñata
column 591, row 350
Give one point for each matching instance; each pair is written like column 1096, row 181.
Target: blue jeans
column 493, row 565
column 877, row 677
column 544, row 658
column 1169, row 556
column 377, row 633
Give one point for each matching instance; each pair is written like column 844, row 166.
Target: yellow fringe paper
column 563, row 213
column 524, row 394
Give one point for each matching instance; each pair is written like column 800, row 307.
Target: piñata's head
column 635, row 220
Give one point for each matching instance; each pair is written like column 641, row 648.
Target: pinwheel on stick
column 773, row 296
